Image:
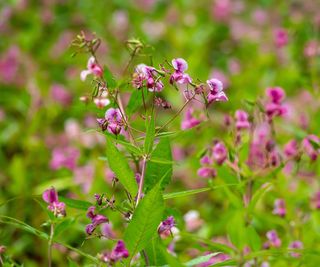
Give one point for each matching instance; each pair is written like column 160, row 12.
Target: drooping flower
column 295, row 245
column 189, row 120
column 164, row 229
column 216, row 92
column 219, row 153
column 112, row 121
column 279, row 207
column 273, row 239
column 242, row 120
column 96, row 220
column 92, row 68
column 51, row 197
column 179, row 75
column 118, row 253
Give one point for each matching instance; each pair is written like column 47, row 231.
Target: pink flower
column 112, row 121
column 192, row 220
column 281, row 37
column 92, row 68
column 279, row 207
column 189, row 121
column 118, row 253
column 274, row 240
column 60, row 94
column 207, row 172
column 146, row 75
column 180, row 66
column 295, row 245
column 242, row 120
column 291, row 149
column 274, row 106
column 315, row 200
column 216, row 91
column 96, row 220
column 51, row 197
column 221, row 257
column 64, row 157
column 164, row 229
column 309, row 148
column 219, row 153
column 275, row 94
column 101, row 102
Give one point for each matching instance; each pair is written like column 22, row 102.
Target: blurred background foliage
column 234, row 43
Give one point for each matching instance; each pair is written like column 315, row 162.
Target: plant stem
column 146, row 259
column 144, row 162
column 50, row 245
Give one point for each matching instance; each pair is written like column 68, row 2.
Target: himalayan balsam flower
column 92, row 68
column 112, row 121
column 118, row 253
column 274, row 240
column 164, row 229
column 295, row 245
column 279, row 207
column 216, row 92
column 242, row 120
column 51, row 197
column 96, row 220
column 180, row 66
column 189, row 120
column 219, row 153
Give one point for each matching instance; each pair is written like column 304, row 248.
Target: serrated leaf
column 111, row 82
column 145, row 221
column 75, row 203
column 156, row 170
column 150, row 132
column 121, row 168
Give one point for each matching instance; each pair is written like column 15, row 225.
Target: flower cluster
column 51, row 197
column 118, row 253
column 147, row 76
column 112, row 121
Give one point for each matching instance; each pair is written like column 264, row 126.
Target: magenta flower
column 51, row 197
column 281, row 37
column 221, row 257
column 279, row 207
column 309, row 148
column 164, row 229
column 242, row 120
column 60, row 94
column 180, row 66
column 315, row 200
column 96, row 220
column 189, row 121
column 216, row 92
column 274, row 106
column 118, row 253
column 207, row 172
column 92, row 68
column 148, row 76
column 112, row 121
column 275, row 94
column 291, row 149
column 274, row 240
column 219, row 153
column 295, row 245
column 101, row 102
column 64, row 157
column 206, row 160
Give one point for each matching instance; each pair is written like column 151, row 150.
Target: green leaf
column 76, row 204
column 121, row 168
column 186, row 193
column 150, row 132
column 111, row 82
column 201, row 259
column 58, row 184
column 133, row 149
column 156, row 170
column 136, row 101
column 257, row 195
column 253, row 238
column 155, row 255
column 145, row 221
column 236, row 229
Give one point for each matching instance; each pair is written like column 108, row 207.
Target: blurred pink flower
column 83, row 176
column 279, row 207
column 216, row 92
column 51, row 197
column 189, row 120
column 92, row 68
column 60, row 94
column 273, row 239
column 219, row 153
column 64, row 157
column 242, row 120
column 295, row 245
column 180, row 66
column 281, row 37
